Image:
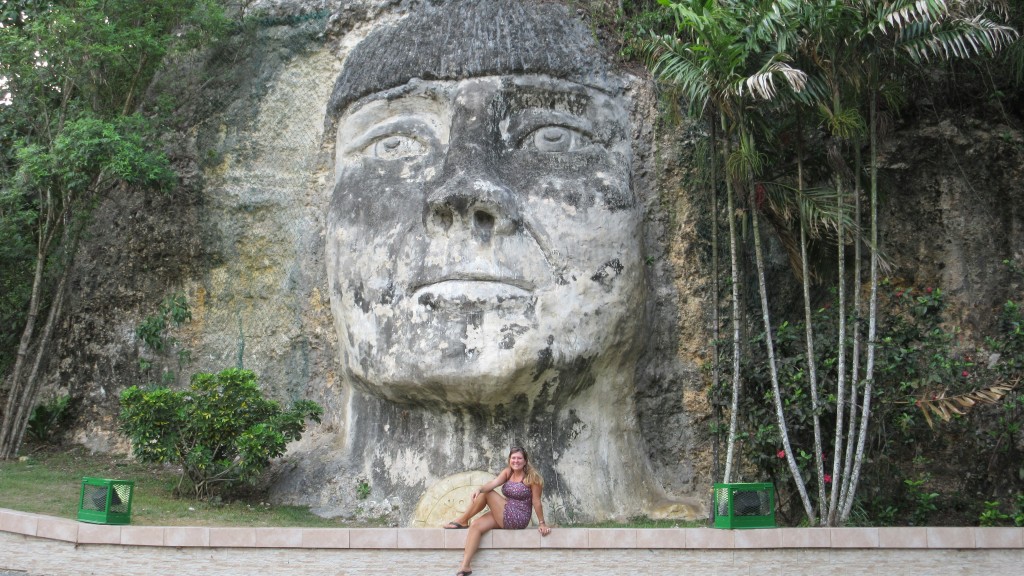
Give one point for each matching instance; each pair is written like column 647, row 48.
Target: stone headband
column 471, row 38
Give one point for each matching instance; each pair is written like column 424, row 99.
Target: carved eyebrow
column 522, row 122
column 402, row 125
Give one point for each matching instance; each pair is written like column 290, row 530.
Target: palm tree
column 701, row 64
column 726, row 57
column 719, row 64
column 887, row 36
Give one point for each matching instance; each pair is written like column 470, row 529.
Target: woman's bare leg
column 474, row 508
column 479, row 503
column 483, row 524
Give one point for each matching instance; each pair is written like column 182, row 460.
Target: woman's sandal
column 453, row 525
column 463, row 573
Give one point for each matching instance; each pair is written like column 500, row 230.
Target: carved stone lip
column 475, row 285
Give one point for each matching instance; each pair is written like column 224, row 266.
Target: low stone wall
column 39, row 545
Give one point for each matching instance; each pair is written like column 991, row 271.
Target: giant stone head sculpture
column 484, row 254
column 482, row 227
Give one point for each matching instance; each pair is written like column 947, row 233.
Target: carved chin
column 484, row 346
column 479, row 346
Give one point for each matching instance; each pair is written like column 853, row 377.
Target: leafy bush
column 221, row 430
column 47, row 417
column 174, row 311
column 993, row 516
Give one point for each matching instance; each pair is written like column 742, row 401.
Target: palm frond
column 960, row 38
column 673, row 62
column 815, row 90
column 1014, row 57
column 745, row 162
column 844, row 123
column 903, row 13
column 1000, row 7
column 816, row 207
column 946, row 407
column 762, row 84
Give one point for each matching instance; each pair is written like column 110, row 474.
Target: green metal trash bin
column 745, row 505
column 105, row 501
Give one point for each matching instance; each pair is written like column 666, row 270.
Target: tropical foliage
column 221, row 431
column 72, row 76
column 797, row 92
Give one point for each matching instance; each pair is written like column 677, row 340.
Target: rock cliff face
column 245, row 239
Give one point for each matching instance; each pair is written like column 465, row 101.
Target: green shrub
column 174, row 311
column 363, row 489
column 220, row 430
column 48, row 416
column 992, row 515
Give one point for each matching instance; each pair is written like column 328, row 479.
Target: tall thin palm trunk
column 845, row 493
column 31, row 388
column 812, row 374
column 734, row 405
column 869, row 369
column 837, row 449
column 747, row 173
column 716, row 321
column 780, row 415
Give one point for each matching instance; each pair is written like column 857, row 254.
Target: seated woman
column 522, row 486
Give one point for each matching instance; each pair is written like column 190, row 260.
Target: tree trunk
column 31, row 388
column 872, row 312
column 716, row 321
column 812, row 374
column 773, row 371
column 855, row 349
column 734, row 262
column 8, row 430
column 829, row 516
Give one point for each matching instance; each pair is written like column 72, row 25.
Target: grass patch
column 48, row 482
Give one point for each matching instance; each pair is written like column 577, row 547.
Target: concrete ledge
column 934, row 538
column 36, row 544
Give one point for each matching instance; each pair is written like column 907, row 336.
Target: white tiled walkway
column 42, row 545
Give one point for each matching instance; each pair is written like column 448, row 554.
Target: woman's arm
column 538, row 508
column 498, row 480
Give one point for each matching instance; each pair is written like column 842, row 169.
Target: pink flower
column 928, row 289
column 828, row 478
column 964, row 374
column 781, row 454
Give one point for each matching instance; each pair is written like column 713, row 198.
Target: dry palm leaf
column 945, row 407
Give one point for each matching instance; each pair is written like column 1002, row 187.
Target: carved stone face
column 482, row 232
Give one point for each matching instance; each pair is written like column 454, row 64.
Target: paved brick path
column 35, row 545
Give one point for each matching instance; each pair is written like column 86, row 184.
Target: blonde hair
column 530, row 474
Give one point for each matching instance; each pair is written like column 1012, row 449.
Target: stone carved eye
column 548, row 131
column 554, row 139
column 396, row 147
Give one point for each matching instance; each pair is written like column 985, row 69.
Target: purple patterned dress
column 517, row 507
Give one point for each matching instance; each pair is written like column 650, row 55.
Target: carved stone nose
column 480, row 206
